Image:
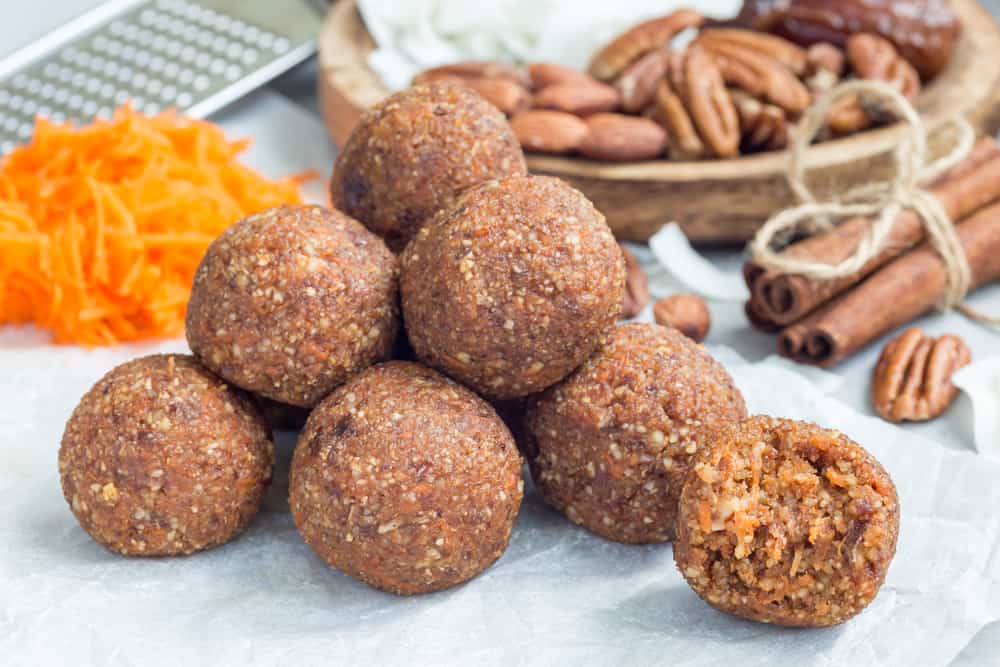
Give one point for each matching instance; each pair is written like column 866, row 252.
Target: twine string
column 882, row 200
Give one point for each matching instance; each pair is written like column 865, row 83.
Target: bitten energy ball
column 611, row 444
column 163, row 458
column 512, row 288
column 406, row 480
column 412, row 155
column 785, row 522
column 290, row 302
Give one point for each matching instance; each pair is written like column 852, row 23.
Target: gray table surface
column 23, row 24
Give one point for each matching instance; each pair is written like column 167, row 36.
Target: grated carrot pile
column 102, row 227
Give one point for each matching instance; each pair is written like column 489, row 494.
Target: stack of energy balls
column 504, row 297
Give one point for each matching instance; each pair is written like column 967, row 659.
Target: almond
column 621, row 138
column 554, row 132
column 543, row 75
column 579, row 97
column 504, row 94
column 473, row 69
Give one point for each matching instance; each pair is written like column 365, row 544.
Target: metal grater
column 193, row 55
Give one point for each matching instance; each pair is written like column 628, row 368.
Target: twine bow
column 883, row 200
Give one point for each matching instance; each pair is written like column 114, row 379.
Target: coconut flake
column 673, row 251
column 980, row 381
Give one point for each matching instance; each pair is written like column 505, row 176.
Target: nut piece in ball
column 290, row 302
column 610, row 445
column 406, row 480
column 162, row 458
column 414, row 153
column 688, row 313
column 785, row 522
column 512, row 288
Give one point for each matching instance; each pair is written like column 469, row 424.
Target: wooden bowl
column 715, row 200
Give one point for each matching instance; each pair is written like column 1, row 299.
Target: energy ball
column 291, row 302
column 611, row 444
column 162, row 458
column 406, row 480
column 412, row 154
column 785, row 522
column 513, row 287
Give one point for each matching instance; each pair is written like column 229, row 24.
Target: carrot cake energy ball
column 405, row 480
column 163, row 458
column 611, row 444
column 412, row 155
column 785, row 522
column 513, row 287
column 290, row 302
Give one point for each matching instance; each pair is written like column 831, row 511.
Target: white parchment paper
column 558, row 596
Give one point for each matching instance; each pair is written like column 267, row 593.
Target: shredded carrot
column 103, row 226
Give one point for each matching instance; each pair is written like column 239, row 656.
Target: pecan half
column 912, row 380
column 762, row 126
column 875, row 58
column 620, row 138
column 688, row 313
column 613, row 58
column 577, row 97
column 543, row 131
column 637, row 84
column 473, row 69
column 636, row 286
column 760, row 75
column 705, row 96
column 872, row 58
column 777, row 48
column 683, row 142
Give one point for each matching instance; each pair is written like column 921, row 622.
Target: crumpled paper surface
column 412, row 36
column 558, row 596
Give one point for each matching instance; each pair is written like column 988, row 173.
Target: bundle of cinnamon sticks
column 820, row 322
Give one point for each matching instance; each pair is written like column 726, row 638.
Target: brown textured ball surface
column 290, row 302
column 512, row 288
column 406, row 480
column 785, row 522
column 611, row 444
column 414, row 153
column 162, row 458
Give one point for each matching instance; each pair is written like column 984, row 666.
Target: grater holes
column 110, row 70
column 128, row 53
column 16, row 102
column 24, row 132
column 171, row 70
column 10, row 124
column 114, row 49
column 51, row 70
column 188, row 54
column 45, row 111
column 61, row 96
column 29, row 108
column 69, row 54
column 104, row 113
column 75, row 102
column 236, row 28
column 47, row 91
column 234, row 51
column 220, row 44
column 173, row 49
column 202, row 61
column 281, row 45
column 218, row 66
column 97, row 63
column 107, row 91
column 157, row 64
column 121, row 97
column 93, row 85
column 184, row 100
column 4, row 97
column 154, row 87
column 185, row 77
column 233, row 72
column 58, row 117
column 79, row 80
column 34, row 86
column 142, row 58
column 204, row 39
column 251, row 34
column 149, row 17
column 160, row 43
column 266, row 40
column 6, row 146
column 125, row 74
column 89, row 108
column 140, row 80
column 222, row 23
column 249, row 56
column 151, row 108
column 19, row 81
column 201, row 83
column 168, row 93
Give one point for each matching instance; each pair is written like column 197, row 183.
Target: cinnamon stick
column 783, row 298
column 902, row 290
